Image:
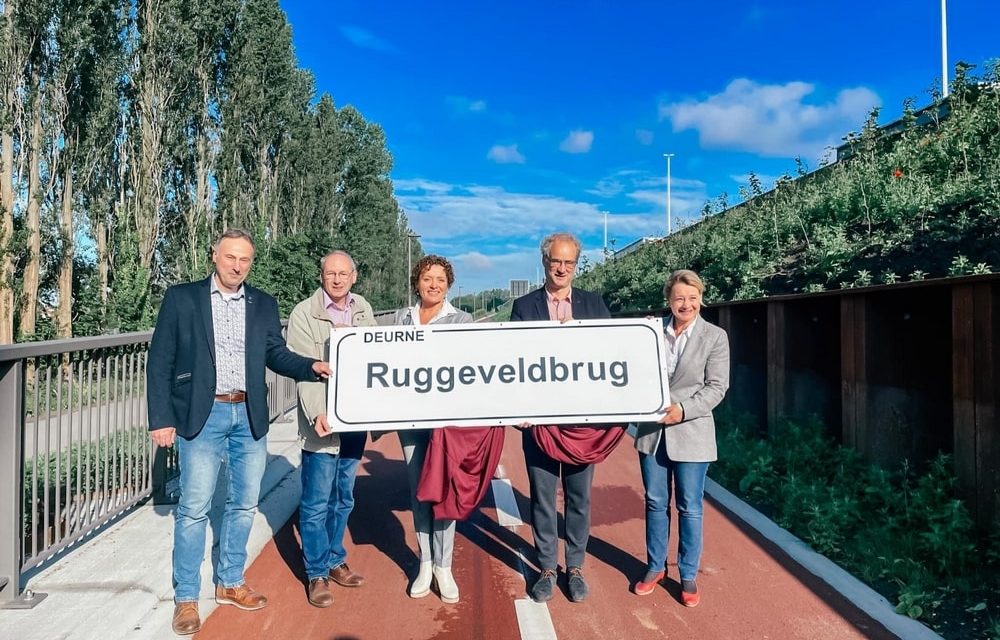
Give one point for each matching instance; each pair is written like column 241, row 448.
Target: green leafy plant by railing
column 903, row 531
column 921, row 201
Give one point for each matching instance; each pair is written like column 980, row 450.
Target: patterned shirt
column 229, row 320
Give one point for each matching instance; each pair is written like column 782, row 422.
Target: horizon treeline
column 132, row 132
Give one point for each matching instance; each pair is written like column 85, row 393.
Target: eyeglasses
column 340, row 275
column 569, row 264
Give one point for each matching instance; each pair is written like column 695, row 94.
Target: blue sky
column 509, row 120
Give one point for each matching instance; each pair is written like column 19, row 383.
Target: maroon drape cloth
column 457, row 471
column 577, row 445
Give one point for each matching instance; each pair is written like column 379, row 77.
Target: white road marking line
column 506, row 504
column 533, row 619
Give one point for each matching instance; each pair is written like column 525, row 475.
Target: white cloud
column 462, row 104
column 644, row 136
column 505, row 154
column 361, row 37
column 612, row 185
column 578, row 141
column 475, row 271
column 771, row 120
column 492, row 234
column 420, row 184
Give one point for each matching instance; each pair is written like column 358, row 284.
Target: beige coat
column 309, row 335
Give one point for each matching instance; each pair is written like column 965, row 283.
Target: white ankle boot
column 422, row 583
column 446, row 585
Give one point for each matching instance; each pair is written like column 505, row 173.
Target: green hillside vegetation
column 913, row 202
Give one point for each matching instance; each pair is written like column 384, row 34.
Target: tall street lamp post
column 944, row 49
column 670, row 226
column 409, row 268
column 605, row 234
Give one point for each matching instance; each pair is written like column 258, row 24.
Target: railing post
column 11, row 474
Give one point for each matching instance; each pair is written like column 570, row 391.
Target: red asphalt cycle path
column 750, row 589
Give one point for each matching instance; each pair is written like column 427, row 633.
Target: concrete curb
column 118, row 584
column 858, row 593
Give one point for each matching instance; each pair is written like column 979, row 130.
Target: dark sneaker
column 689, row 593
column 545, row 587
column 577, row 585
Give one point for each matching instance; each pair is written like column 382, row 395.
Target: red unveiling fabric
column 577, row 445
column 457, row 471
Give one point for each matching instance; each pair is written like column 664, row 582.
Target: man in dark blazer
column 558, row 301
column 207, row 394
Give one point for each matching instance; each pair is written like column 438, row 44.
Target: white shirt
column 446, row 310
column 676, row 344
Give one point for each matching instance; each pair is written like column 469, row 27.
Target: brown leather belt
column 233, row 397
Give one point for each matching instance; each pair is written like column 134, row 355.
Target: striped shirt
column 229, row 321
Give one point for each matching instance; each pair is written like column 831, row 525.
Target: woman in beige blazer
column 675, row 452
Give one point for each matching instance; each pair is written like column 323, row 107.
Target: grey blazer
column 699, row 383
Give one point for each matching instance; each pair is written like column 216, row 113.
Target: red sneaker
column 645, row 586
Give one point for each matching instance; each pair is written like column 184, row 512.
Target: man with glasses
column 329, row 460
column 558, row 301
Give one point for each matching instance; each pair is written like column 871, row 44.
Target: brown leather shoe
column 343, row 576
column 241, row 596
column 186, row 618
column 319, row 593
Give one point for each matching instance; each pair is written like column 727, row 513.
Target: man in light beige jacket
column 329, row 460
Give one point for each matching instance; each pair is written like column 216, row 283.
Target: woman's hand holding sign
column 672, row 414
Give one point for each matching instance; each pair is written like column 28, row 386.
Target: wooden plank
column 776, row 362
column 963, row 348
column 852, row 364
column 986, row 381
column 726, row 320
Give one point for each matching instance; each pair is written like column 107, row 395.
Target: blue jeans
column 327, row 501
column 659, row 475
column 226, row 437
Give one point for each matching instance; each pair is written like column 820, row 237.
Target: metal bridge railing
column 74, row 445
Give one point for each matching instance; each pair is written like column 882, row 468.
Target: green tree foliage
column 909, row 202
column 132, row 132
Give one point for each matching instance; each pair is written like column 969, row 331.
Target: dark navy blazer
column 534, row 306
column 180, row 374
